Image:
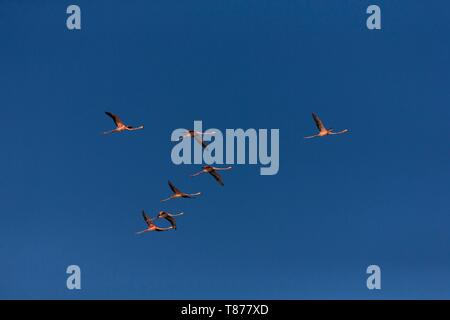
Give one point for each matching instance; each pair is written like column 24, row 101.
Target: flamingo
column 322, row 130
column 151, row 225
column 120, row 126
column 169, row 217
column 179, row 194
column 212, row 171
column 198, row 136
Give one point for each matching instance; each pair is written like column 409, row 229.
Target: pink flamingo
column 213, row 171
column 198, row 136
column 179, row 194
column 169, row 217
column 322, row 130
column 120, row 126
column 150, row 225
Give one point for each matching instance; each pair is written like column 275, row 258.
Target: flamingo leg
column 227, row 168
column 340, row 132
column 134, row 129
column 164, row 229
column 309, row 137
column 177, row 214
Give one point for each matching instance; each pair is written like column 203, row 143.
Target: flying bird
column 179, row 194
column 169, row 217
column 120, row 126
column 212, row 171
column 198, row 136
column 150, row 225
column 322, row 130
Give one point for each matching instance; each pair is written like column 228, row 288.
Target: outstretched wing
column 217, row 176
column 318, row 122
column 173, row 188
column 171, row 220
column 147, row 219
column 199, row 139
column 115, row 118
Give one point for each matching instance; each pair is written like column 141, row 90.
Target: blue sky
column 379, row 195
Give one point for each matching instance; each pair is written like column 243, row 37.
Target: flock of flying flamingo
column 213, row 171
